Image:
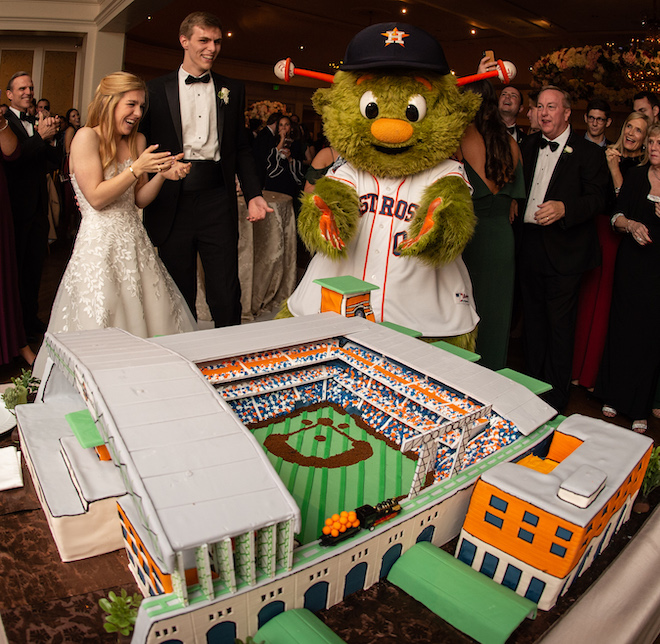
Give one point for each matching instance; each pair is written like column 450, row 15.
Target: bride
column 114, row 277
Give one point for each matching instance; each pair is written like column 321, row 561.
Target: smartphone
column 490, row 55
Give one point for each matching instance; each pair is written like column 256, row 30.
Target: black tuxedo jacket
column 26, row 175
column 162, row 124
column 579, row 181
column 264, row 143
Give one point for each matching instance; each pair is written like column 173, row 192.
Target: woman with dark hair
column 284, row 164
column 493, row 166
column 72, row 124
column 69, row 215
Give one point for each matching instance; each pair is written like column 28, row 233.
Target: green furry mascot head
column 391, row 123
column 395, row 109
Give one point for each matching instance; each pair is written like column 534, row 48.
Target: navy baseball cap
column 395, row 44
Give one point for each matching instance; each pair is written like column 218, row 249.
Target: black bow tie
column 512, row 130
column 198, row 79
column 553, row 144
column 27, row 117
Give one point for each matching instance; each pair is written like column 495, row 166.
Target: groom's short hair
column 198, row 19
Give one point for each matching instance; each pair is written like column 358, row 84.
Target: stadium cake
column 230, row 448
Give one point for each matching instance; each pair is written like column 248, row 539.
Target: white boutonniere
column 568, row 150
column 223, row 95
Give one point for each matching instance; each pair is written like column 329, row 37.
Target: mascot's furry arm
column 328, row 218
column 443, row 225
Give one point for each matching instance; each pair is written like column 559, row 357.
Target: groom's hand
column 258, row 208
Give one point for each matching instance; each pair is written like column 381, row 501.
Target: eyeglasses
column 596, row 119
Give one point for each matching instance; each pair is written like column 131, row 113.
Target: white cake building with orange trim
column 536, row 525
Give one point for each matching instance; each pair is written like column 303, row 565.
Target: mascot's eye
column 369, row 105
column 416, row 109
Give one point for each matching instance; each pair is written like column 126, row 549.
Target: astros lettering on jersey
column 438, row 301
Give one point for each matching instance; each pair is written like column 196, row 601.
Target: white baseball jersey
column 438, row 301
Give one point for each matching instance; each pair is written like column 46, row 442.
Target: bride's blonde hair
column 101, row 113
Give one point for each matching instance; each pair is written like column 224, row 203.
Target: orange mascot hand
column 327, row 225
column 426, row 226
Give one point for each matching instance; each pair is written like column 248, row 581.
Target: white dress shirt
column 545, row 166
column 199, row 124
column 29, row 128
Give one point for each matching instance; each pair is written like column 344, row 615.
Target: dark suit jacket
column 580, row 182
column 264, row 143
column 26, row 176
column 520, row 135
column 162, row 124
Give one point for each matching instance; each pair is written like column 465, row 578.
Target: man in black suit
column 28, row 193
column 201, row 113
column 566, row 178
column 510, row 104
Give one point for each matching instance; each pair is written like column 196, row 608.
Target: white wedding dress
column 114, row 277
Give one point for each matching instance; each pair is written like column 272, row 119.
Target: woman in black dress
column 284, row 165
column 631, row 361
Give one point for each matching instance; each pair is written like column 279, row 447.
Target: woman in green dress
column 493, row 166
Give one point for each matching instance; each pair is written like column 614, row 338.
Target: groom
column 201, row 113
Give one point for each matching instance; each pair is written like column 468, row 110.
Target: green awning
column 463, row 597
column 83, row 426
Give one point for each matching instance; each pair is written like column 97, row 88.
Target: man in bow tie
column 510, row 105
column 28, row 193
column 200, row 113
column 566, row 179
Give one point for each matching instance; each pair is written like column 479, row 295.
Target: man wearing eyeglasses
column 597, row 118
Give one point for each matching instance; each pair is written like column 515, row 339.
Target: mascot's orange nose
column 391, row 130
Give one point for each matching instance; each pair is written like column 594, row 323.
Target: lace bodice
column 114, row 277
column 124, row 205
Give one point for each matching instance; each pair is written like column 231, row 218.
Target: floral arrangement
column 606, row 71
column 23, row 390
column 263, row 109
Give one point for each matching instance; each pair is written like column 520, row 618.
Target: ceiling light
column 473, row 32
column 404, row 10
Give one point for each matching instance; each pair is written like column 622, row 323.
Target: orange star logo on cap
column 395, row 37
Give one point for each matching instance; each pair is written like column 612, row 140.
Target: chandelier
column 647, row 78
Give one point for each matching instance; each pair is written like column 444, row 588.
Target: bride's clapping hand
column 178, row 170
column 152, row 162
